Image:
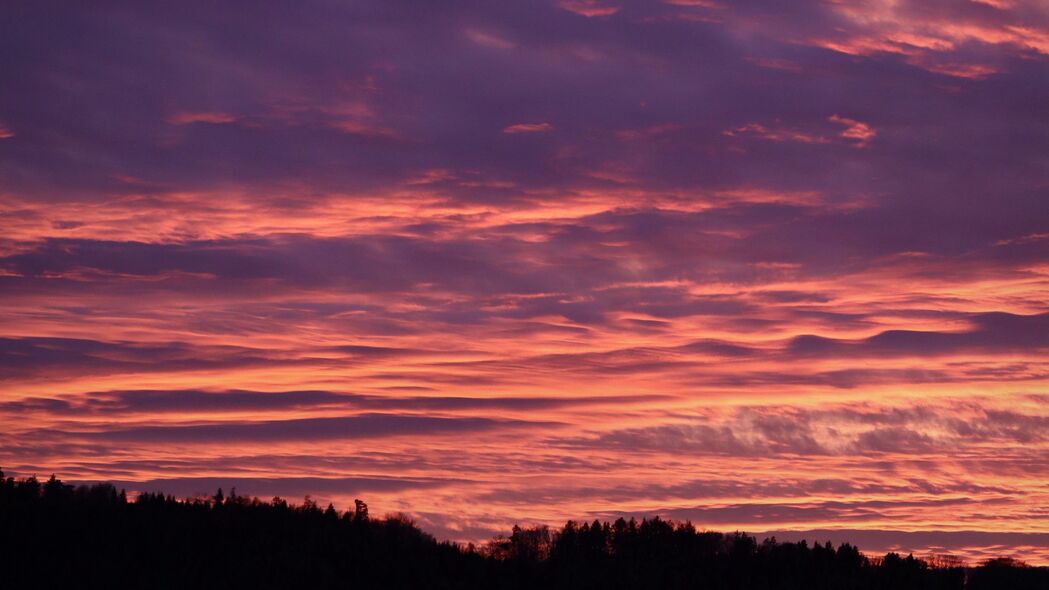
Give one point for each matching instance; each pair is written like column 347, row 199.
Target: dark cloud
column 767, row 432
column 685, row 438
column 56, row 356
column 288, row 487
column 1004, row 425
column 894, row 440
column 991, row 332
column 190, row 400
column 712, row 490
column 315, row 429
column 837, row 511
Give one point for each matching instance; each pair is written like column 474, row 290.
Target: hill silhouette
column 57, row 535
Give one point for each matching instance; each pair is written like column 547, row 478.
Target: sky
column 761, row 265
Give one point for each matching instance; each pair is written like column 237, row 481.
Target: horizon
column 890, row 539
column 756, row 266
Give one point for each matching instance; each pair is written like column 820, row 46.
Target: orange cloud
column 528, row 128
column 855, row 130
column 588, row 8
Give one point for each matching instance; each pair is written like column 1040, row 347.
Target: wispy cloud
column 528, row 128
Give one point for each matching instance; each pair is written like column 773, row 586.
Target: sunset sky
column 763, row 265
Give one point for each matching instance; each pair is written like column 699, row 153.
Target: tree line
column 54, row 534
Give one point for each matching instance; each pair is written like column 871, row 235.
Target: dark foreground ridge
column 58, row 535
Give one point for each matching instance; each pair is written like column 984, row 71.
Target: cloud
column 757, row 514
column 29, row 356
column 182, row 401
column 287, row 487
column 488, row 39
column 855, row 130
column 844, row 431
column 588, row 8
column 990, row 333
column 315, row 429
column 186, row 118
column 528, row 128
column 762, row 132
column 894, row 440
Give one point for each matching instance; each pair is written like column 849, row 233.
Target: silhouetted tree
column 91, row 536
column 360, row 511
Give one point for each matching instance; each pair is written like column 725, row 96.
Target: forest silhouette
column 59, row 535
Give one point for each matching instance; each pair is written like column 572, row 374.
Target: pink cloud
column 857, row 131
column 528, row 128
column 774, row 133
column 588, row 8
column 488, row 39
column 365, row 129
column 189, row 117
